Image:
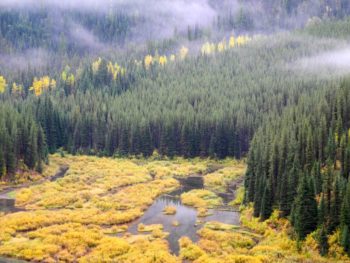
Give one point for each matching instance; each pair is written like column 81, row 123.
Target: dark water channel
column 185, row 215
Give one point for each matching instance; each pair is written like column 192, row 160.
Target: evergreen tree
column 323, row 241
column 345, row 220
column 31, row 149
column 266, row 204
column 305, row 209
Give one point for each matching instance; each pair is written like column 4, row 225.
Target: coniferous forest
column 269, row 86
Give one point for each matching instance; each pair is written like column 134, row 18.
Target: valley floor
column 85, row 216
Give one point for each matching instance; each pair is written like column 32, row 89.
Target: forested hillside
column 306, row 146
column 206, row 105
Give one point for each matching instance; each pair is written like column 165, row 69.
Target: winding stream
column 185, row 215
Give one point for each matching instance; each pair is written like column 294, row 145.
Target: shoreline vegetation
column 77, row 217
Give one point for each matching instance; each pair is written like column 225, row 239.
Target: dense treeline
column 75, row 31
column 30, row 28
column 299, row 160
column 309, row 147
column 22, row 142
column 207, row 106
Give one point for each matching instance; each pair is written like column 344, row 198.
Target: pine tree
column 259, row 190
column 266, row 204
column 335, row 206
column 31, row 150
column 285, row 205
column 345, row 220
column 323, row 241
column 317, row 177
column 305, row 209
column 2, row 164
column 321, row 211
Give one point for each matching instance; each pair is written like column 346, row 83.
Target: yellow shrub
column 149, row 228
column 201, row 198
column 202, row 212
column 23, row 196
column 169, row 210
column 188, row 250
column 109, row 249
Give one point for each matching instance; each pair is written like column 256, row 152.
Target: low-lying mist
column 335, row 62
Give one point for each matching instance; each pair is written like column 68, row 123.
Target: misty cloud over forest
column 330, row 62
column 95, row 27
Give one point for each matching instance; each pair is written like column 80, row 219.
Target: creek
column 186, row 216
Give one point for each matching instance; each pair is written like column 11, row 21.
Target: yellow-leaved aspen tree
column 64, row 76
column 37, row 87
column 163, row 60
column 2, row 84
column 183, row 52
column 53, row 84
column 222, row 46
column 96, row 65
column 232, row 42
column 241, row 41
column 45, row 82
column 206, row 49
column 148, row 61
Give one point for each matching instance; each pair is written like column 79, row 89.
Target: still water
column 185, row 215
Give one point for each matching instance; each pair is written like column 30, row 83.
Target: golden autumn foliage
column 183, row 52
column 76, row 218
column 163, row 60
column 239, row 196
column 202, row 212
column 201, row 198
column 115, row 70
column 42, row 84
column 96, row 65
column 149, row 228
column 189, row 250
column 3, row 84
column 222, row 46
column 210, row 48
column 232, row 42
column 16, row 89
column 148, row 61
column 219, row 180
column 169, row 210
column 70, row 217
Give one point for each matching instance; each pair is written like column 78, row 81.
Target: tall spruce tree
column 305, row 209
column 345, row 220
